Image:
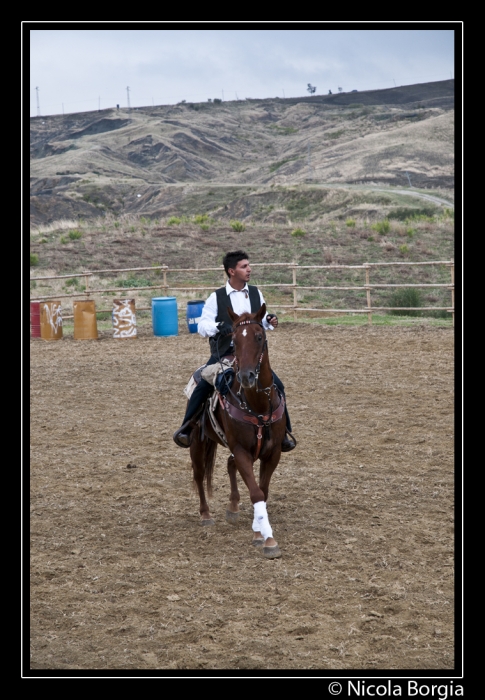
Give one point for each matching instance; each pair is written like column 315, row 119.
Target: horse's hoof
column 272, row 552
column 208, row 521
column 257, row 542
column 231, row 517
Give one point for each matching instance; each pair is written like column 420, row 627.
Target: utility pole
column 128, row 96
column 38, row 105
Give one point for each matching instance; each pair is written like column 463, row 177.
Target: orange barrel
column 35, row 319
column 124, row 318
column 50, row 320
column 85, row 326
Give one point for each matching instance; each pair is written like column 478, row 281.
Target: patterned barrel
column 124, row 318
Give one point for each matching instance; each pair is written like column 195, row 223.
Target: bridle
column 257, row 369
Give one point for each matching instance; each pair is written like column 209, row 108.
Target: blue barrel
column 164, row 316
column 194, row 311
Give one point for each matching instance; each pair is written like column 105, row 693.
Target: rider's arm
column 207, row 327
column 266, row 325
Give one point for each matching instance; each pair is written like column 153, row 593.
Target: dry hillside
column 241, row 158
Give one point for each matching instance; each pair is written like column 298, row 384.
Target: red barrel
column 35, row 319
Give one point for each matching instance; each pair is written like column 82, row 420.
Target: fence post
column 165, row 287
column 453, row 290
column 295, row 302
column 87, row 285
column 367, row 282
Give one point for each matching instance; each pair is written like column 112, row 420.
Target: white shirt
column 207, row 327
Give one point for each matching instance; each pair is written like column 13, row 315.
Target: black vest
column 223, row 302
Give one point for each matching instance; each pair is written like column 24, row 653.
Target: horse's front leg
column 267, row 467
column 232, row 512
column 263, row 533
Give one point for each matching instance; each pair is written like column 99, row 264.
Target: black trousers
column 203, row 390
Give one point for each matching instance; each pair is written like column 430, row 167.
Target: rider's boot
column 289, row 442
column 183, row 436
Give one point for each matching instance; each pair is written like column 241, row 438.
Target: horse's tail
column 209, row 454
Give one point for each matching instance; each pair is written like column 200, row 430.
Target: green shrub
column 382, row 227
column 410, row 232
column 201, row 218
column 403, row 249
column 73, row 282
column 63, row 239
column 116, row 224
column 205, row 227
column 34, row 259
column 75, row 234
column 409, row 297
column 350, row 223
column 174, row 220
column 237, row 226
column 298, row 233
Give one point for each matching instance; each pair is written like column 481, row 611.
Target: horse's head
column 249, row 340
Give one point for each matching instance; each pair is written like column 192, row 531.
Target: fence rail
column 293, row 267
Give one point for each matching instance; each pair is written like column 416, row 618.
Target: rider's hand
column 224, row 329
column 272, row 320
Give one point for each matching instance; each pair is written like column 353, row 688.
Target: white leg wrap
column 260, row 521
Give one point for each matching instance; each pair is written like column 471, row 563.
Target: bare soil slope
column 123, row 576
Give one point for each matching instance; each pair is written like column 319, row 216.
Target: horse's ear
column 261, row 313
column 232, row 315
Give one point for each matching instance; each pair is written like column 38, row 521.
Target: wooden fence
column 165, row 286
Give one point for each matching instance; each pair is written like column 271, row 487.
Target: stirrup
column 183, row 436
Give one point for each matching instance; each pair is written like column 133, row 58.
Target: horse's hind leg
column 232, row 512
column 197, row 454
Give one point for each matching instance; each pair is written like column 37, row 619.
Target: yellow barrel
column 85, row 326
column 50, row 320
column 124, row 318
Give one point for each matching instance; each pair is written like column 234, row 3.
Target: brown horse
column 253, row 419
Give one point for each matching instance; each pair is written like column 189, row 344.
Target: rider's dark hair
column 231, row 259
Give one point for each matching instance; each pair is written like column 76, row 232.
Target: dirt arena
column 124, row 578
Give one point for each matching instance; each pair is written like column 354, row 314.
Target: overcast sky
column 78, row 70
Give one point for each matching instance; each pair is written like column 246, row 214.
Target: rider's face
column 241, row 273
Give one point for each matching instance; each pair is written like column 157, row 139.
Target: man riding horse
column 216, row 325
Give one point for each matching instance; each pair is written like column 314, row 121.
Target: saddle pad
column 193, row 381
